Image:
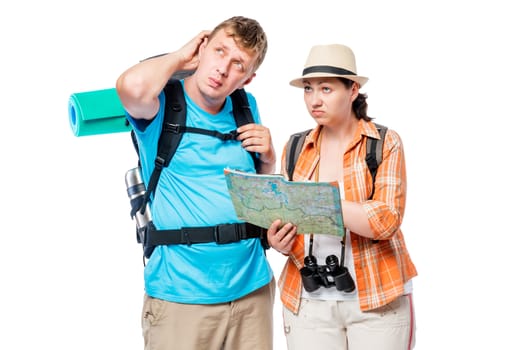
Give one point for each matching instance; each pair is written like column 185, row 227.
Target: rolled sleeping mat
column 101, row 112
column 97, row 112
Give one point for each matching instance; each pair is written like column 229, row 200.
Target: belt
column 221, row 234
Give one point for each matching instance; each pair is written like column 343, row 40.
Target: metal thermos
column 135, row 191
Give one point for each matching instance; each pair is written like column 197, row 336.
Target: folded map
column 314, row 207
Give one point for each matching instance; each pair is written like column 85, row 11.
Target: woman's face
column 329, row 100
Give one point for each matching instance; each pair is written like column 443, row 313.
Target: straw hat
column 330, row 61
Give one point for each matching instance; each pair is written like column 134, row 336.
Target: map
column 314, row 207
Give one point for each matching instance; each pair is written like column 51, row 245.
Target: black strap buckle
column 173, row 128
column 159, row 162
column 227, row 233
column 230, row 136
column 186, row 239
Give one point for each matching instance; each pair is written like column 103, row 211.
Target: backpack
column 173, row 129
column 373, row 152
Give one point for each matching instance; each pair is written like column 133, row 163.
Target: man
column 205, row 295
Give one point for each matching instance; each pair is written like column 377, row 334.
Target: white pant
column 340, row 325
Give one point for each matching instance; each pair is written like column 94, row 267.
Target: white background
column 447, row 75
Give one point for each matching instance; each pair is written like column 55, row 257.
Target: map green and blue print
column 314, row 207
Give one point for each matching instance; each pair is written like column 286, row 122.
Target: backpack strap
column 174, row 119
column 374, row 153
column 243, row 116
column 241, row 108
column 220, row 234
column 293, row 149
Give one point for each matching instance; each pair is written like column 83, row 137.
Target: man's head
column 228, row 60
column 248, row 34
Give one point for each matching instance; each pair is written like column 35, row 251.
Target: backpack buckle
column 173, row 128
column 230, row 136
column 159, row 162
column 227, row 233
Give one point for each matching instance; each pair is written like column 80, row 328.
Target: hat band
column 327, row 69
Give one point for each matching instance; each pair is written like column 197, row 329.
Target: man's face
column 224, row 66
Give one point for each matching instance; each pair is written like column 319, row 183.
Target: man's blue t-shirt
column 192, row 192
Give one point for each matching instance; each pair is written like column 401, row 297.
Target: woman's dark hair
column 360, row 106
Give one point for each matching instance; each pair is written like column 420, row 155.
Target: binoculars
column 332, row 274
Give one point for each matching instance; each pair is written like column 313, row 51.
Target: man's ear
column 248, row 80
column 202, row 46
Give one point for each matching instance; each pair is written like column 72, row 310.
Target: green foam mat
column 97, row 112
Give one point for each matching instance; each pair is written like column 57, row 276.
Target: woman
column 361, row 297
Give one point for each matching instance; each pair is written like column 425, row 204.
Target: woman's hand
column 281, row 237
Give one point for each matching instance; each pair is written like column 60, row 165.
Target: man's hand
column 188, row 54
column 257, row 138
